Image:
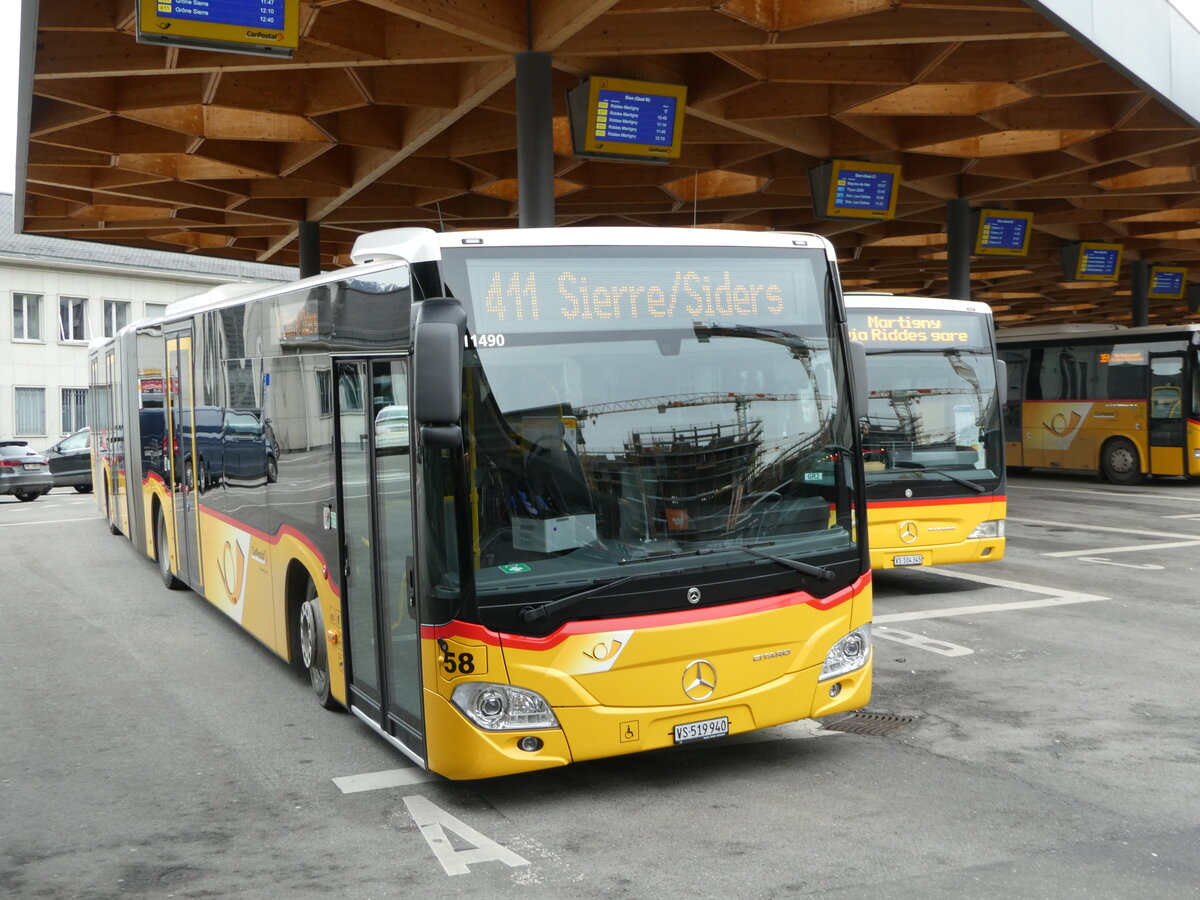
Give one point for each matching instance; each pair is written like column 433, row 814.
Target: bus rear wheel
column 312, row 646
column 1120, row 461
column 164, row 556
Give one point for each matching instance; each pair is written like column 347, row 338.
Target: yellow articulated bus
column 516, row 498
column 934, row 453
column 1119, row 401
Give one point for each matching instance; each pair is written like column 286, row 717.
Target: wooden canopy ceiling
column 402, row 112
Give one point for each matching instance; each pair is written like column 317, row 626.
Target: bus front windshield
column 933, row 417
column 645, row 414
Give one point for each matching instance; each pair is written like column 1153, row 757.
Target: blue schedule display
column 633, row 118
column 267, row 14
column 1166, row 282
column 1003, row 233
column 861, row 190
column 1098, row 261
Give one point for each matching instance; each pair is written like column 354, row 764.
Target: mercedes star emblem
column 699, row 680
column 908, row 531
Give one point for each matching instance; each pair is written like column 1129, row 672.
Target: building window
column 30, row 411
column 116, row 316
column 325, row 392
column 154, row 310
column 74, row 409
column 72, row 319
column 27, row 317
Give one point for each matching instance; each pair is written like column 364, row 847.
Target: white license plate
column 32, row 467
column 913, row 559
column 704, row 730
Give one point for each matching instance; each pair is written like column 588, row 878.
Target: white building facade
column 59, row 295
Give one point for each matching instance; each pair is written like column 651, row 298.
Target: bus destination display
column 1003, row 233
column 510, row 297
column 885, row 328
column 264, row 27
column 625, row 119
column 855, row 190
column 1167, row 282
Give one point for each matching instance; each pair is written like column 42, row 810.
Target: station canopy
column 396, row 113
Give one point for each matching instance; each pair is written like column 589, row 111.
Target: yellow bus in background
column 1108, row 399
column 932, row 443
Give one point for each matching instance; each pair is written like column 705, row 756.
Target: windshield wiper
column 909, row 464
column 542, row 610
column 807, row 568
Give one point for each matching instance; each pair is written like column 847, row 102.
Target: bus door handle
column 412, row 587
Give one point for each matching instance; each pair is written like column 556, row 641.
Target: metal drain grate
column 870, row 723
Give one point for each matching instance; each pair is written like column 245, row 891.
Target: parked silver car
column 23, row 472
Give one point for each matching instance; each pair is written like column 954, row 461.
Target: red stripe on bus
column 484, row 635
column 936, row 501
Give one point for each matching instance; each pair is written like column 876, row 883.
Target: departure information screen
column 246, row 13
column 1166, row 282
column 589, row 294
column 635, row 118
column 1003, row 233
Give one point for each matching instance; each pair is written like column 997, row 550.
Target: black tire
column 27, row 496
column 113, row 528
column 272, row 470
column 313, row 655
column 1120, row 462
column 83, row 488
column 162, row 555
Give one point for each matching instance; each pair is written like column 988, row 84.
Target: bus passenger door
column 181, row 441
column 383, row 665
column 1166, row 411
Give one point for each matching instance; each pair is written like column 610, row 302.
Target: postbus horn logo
column 233, row 570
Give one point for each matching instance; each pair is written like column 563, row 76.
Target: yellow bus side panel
column 1070, row 434
column 935, row 530
column 622, row 689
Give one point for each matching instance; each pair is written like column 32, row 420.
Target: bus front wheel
column 1121, row 462
column 312, row 646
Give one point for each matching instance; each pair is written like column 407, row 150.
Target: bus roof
column 422, row 244
column 907, row 303
column 1101, row 329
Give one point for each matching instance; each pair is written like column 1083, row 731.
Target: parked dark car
column 71, row 461
column 23, row 472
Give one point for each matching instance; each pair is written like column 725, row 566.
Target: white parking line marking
column 434, row 822
column 1064, row 554
column 922, row 642
column 49, row 521
column 1136, row 495
column 1109, row 562
column 1193, row 516
column 374, row 781
column 1053, row 597
column 1166, row 534
column 803, row 729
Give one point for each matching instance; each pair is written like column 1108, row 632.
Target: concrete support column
column 535, row 140
column 1139, row 289
column 959, row 244
column 310, row 249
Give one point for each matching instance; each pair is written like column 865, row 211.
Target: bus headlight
column 848, row 654
column 992, row 528
column 502, row 707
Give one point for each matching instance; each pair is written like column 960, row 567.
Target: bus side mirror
column 858, row 370
column 1001, row 378
column 439, row 333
